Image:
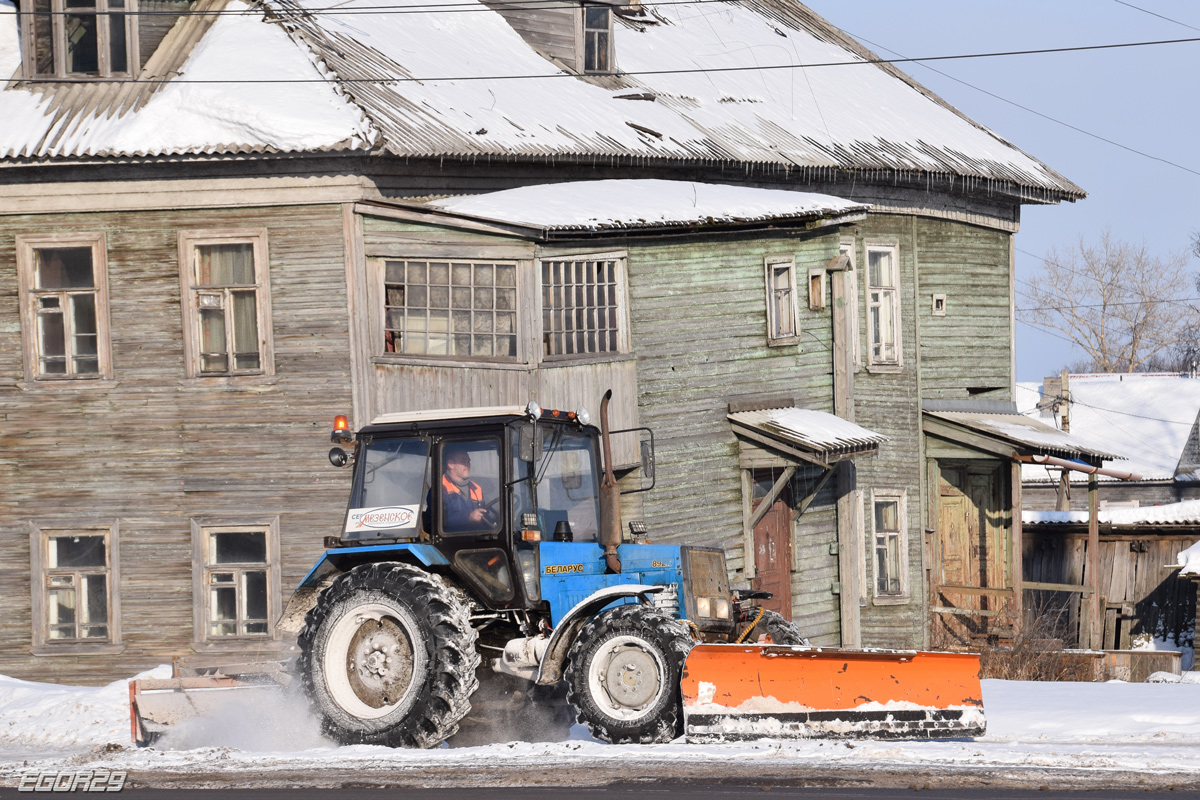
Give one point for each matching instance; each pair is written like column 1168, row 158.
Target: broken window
column 890, row 531
column 227, row 300
column 781, row 301
column 450, row 308
column 238, row 581
column 582, row 306
column 64, row 306
column 597, row 38
column 883, row 306
column 81, row 38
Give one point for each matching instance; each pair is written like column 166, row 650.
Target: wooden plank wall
column 1141, row 596
column 154, row 449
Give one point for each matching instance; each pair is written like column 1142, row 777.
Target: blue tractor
column 488, row 542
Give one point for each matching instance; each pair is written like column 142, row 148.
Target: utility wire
column 1154, row 14
column 1036, row 113
column 693, row 71
column 389, row 10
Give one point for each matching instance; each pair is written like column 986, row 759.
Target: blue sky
column 1147, row 99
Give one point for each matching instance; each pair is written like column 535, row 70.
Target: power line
column 1154, row 14
column 392, row 9
column 1047, row 117
column 1114, row 304
column 693, row 71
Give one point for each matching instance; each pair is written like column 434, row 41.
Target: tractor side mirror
column 338, row 457
column 530, row 443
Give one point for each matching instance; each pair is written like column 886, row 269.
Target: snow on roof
column 1146, row 418
column 816, row 431
column 1025, row 431
column 1184, row 513
column 600, row 205
column 427, row 82
column 1189, row 559
column 198, row 116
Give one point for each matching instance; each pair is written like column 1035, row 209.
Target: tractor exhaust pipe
column 610, row 496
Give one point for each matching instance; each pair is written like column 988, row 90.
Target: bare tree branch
column 1118, row 302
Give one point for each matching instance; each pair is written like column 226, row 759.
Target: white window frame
column 189, row 243
column 203, row 564
column 892, row 292
column 778, row 332
column 58, row 32
column 846, row 248
column 623, row 344
column 900, row 497
column 27, row 247
column 39, row 547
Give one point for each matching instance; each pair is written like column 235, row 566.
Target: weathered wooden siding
column 967, row 351
column 698, row 311
column 551, row 31
column 153, row 449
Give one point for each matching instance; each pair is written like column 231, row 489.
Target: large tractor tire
column 388, row 657
column 781, row 631
column 623, row 675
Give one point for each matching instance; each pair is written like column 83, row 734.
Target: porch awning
column 997, row 428
column 813, row 436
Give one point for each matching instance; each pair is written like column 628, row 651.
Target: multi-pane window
column 581, row 306
column 65, row 309
column 81, row 38
column 851, row 276
column 883, row 309
column 889, row 528
column 236, row 580
column 781, row 299
column 227, row 303
column 597, row 39
column 450, row 308
column 75, row 571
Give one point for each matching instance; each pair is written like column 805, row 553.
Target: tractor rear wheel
column 388, row 657
column 623, row 675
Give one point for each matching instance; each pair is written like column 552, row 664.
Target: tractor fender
column 338, row 560
column 551, row 668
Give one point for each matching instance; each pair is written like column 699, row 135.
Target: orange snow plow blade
column 736, row 692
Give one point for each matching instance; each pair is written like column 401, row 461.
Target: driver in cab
column 463, row 508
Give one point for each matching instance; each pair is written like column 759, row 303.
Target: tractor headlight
column 722, row 607
column 530, row 573
column 703, row 607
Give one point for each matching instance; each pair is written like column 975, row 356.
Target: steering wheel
column 491, row 513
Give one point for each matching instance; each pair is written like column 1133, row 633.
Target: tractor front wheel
column 388, row 657
column 623, row 674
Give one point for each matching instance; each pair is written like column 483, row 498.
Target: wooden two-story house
column 223, row 223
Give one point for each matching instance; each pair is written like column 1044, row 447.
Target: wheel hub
column 630, row 677
column 379, row 662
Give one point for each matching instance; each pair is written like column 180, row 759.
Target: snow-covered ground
column 1148, row 729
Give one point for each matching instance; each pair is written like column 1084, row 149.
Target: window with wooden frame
column 226, row 303
column 816, row 289
column 583, row 306
column 782, row 314
column 236, row 572
column 457, row 309
column 80, row 38
column 883, row 305
column 75, row 580
column 889, row 529
column 597, row 38
column 64, row 306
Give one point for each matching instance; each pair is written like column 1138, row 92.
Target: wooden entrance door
column 971, row 570
column 773, row 544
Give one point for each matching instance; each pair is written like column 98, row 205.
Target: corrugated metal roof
column 1023, row 431
column 1185, row 513
column 634, row 204
column 427, row 86
column 814, row 431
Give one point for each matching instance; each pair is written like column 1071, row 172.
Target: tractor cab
column 481, row 487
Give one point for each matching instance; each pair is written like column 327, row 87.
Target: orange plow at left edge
column 735, row 692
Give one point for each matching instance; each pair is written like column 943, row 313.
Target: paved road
column 681, row 791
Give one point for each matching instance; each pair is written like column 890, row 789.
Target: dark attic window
column 597, row 38
column 80, row 38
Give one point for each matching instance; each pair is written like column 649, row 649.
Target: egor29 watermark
column 73, row 780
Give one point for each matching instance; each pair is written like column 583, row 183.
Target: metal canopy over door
column 972, row 582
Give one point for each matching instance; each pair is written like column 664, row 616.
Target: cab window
column 469, row 486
